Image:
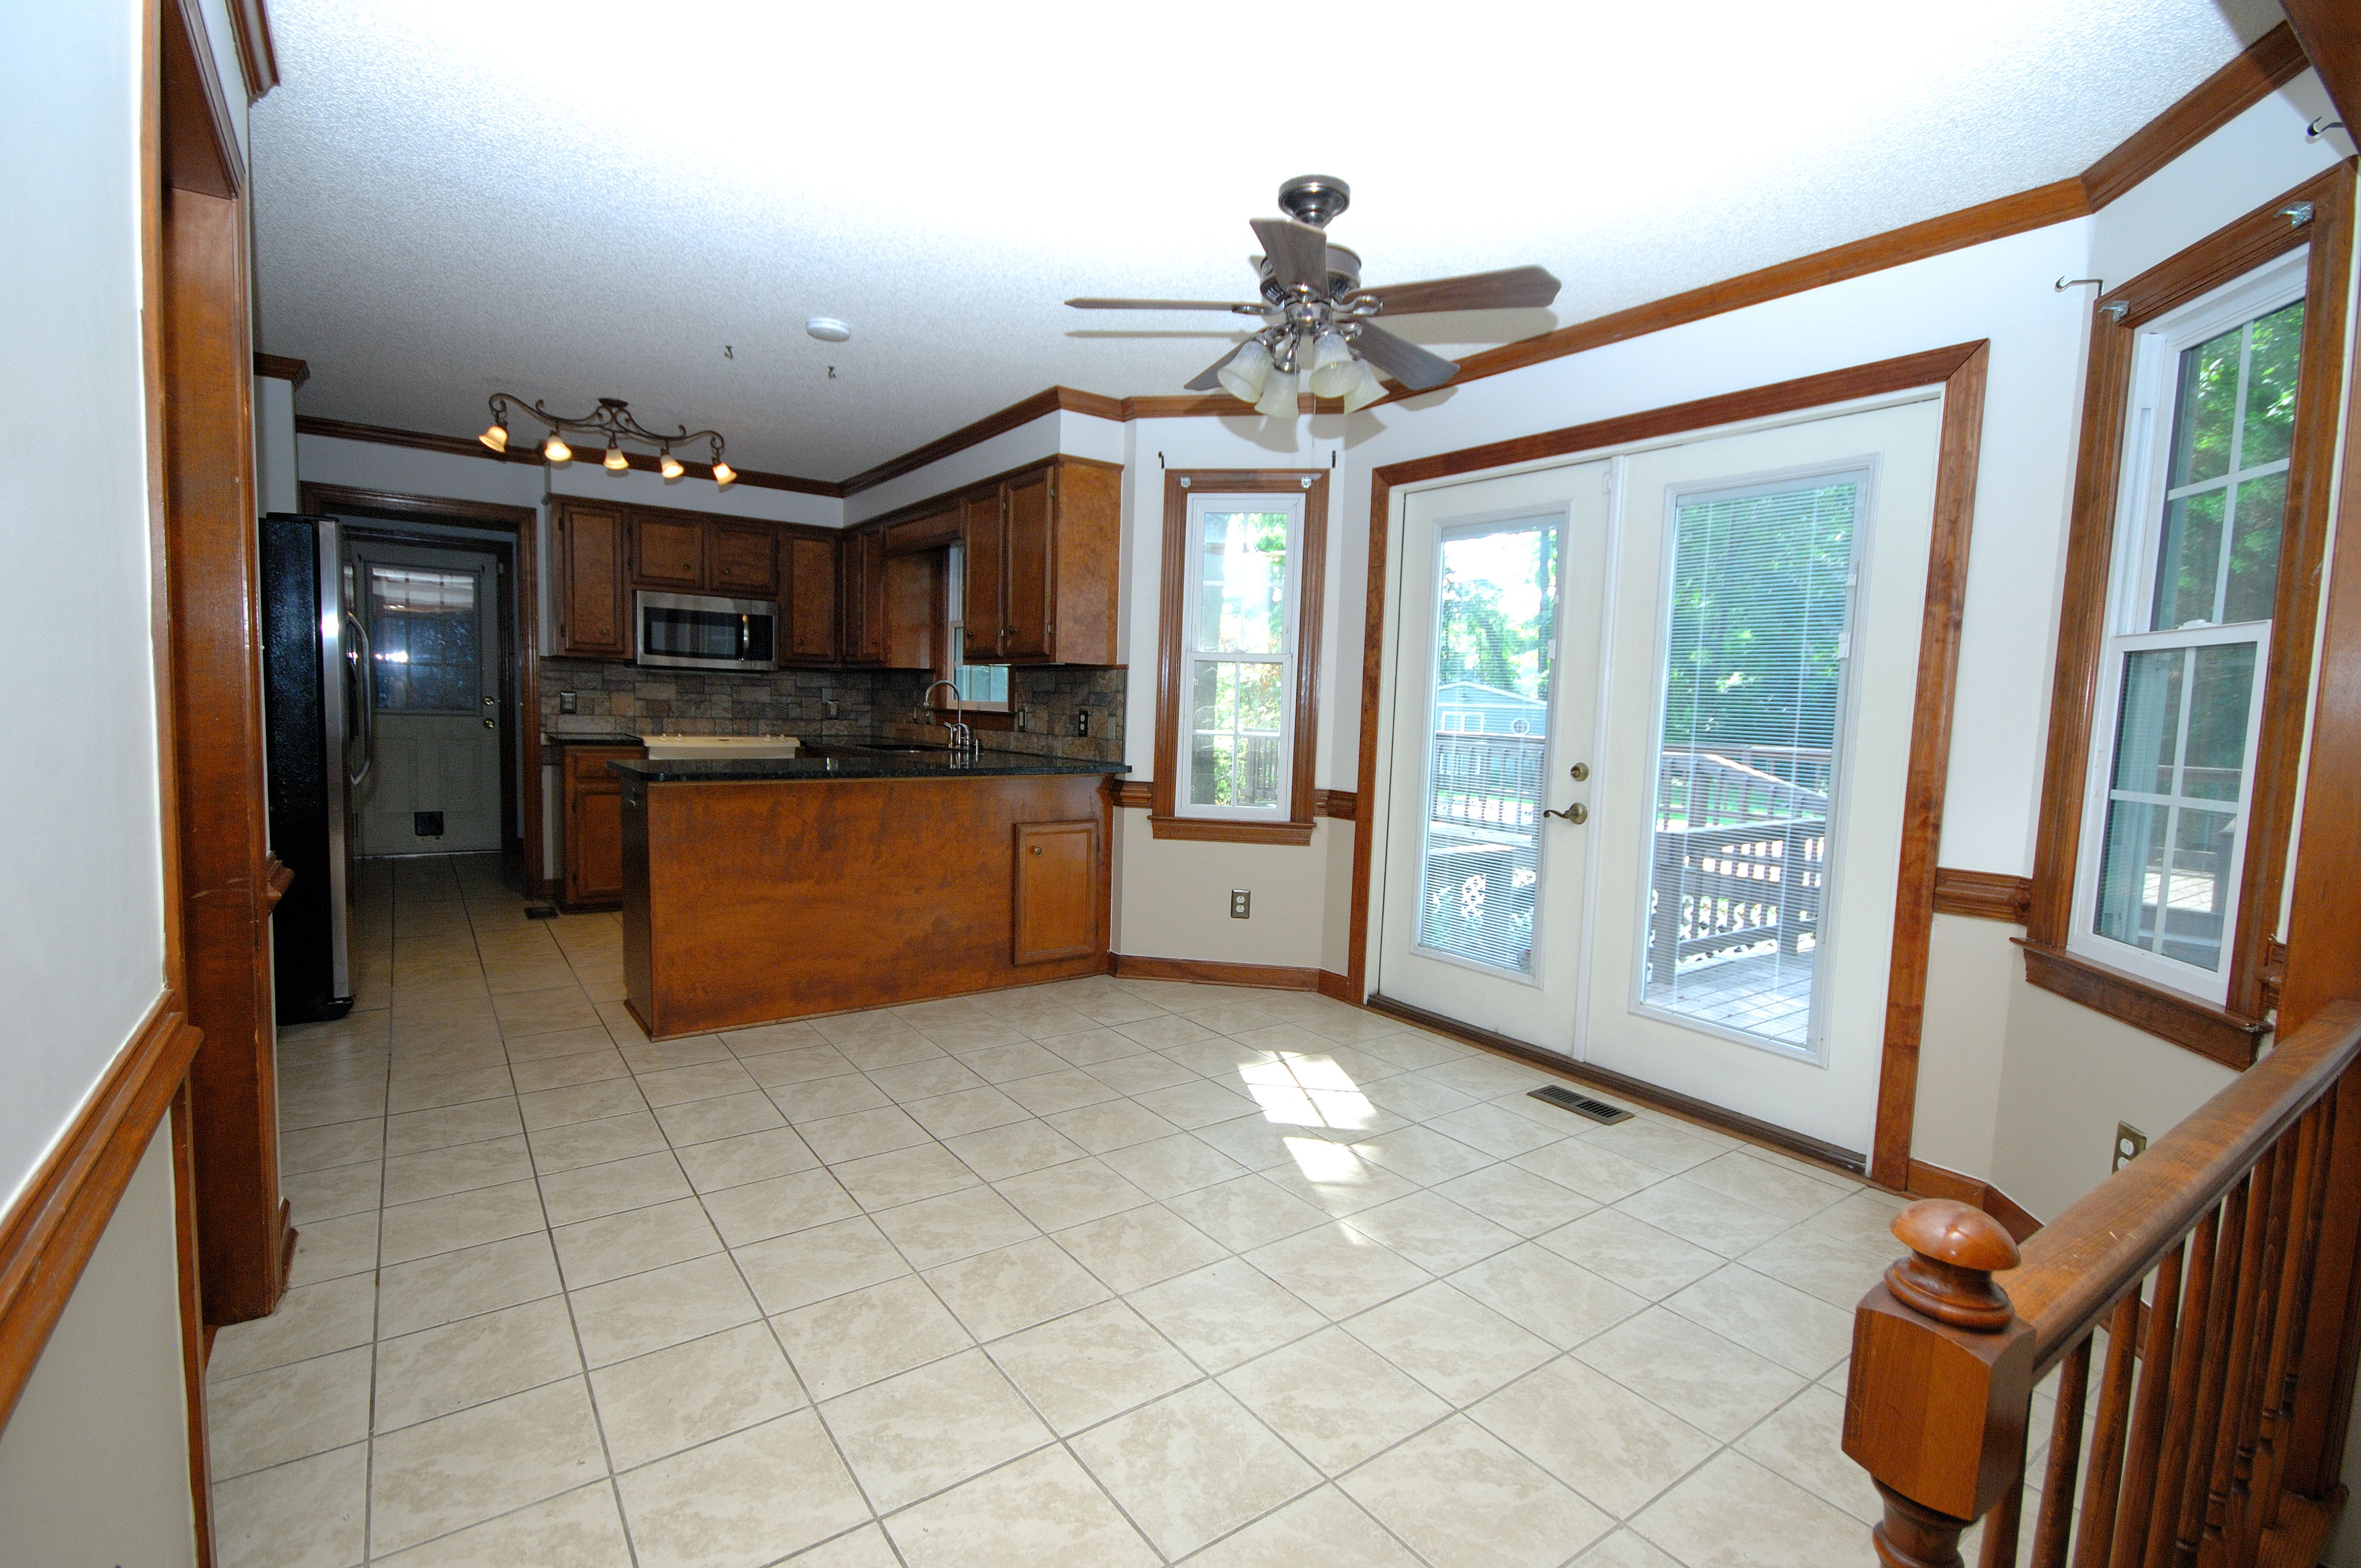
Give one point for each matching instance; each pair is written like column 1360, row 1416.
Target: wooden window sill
column 1224, row 832
column 2210, row 1031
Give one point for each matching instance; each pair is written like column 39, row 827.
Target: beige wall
column 95, row 1461
column 1176, row 892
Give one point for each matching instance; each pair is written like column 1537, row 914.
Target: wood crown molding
column 47, row 1235
column 256, row 57
column 2331, row 34
column 1982, row 895
column 279, row 367
column 469, row 446
column 2211, row 1032
column 2259, row 70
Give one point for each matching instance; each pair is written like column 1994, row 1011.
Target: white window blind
column 1758, row 635
column 1238, row 655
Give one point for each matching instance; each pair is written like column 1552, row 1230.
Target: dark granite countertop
column 836, row 762
column 590, row 741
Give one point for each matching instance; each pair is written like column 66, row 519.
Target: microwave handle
column 745, row 637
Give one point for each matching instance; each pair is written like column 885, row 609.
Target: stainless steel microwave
column 696, row 631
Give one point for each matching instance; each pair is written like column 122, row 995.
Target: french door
column 1495, row 716
column 1728, row 696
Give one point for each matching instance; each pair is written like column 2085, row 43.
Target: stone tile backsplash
column 628, row 699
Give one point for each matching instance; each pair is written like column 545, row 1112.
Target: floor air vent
column 540, row 912
column 1581, row 1104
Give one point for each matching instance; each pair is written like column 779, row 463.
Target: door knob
column 1577, row 812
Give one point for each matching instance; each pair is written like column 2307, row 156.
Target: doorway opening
column 448, row 720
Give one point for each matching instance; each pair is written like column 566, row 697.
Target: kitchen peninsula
column 850, row 877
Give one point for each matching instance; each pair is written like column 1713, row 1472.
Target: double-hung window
column 983, row 688
column 2195, row 575
column 1240, row 618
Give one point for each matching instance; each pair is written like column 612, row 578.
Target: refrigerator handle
column 366, row 698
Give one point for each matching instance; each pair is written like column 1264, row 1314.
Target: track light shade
column 496, row 436
column 723, row 474
column 669, row 466
column 615, row 461
column 556, row 451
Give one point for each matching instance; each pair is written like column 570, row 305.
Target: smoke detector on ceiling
column 827, row 329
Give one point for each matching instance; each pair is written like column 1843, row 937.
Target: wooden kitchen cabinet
column 808, row 603
column 1042, row 547
column 743, row 560
column 590, row 826
column 667, row 552
column 1056, row 906
column 862, row 564
column 594, row 611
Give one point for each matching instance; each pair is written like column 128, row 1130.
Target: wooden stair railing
column 2220, row 1265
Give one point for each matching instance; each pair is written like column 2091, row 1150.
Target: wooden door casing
column 743, row 560
column 594, row 618
column 1057, row 907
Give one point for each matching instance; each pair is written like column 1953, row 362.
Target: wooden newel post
column 1940, row 1384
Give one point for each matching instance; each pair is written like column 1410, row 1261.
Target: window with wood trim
column 1239, row 639
column 983, row 688
column 2185, row 641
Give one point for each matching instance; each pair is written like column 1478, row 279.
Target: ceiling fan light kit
column 1315, row 311
column 612, row 419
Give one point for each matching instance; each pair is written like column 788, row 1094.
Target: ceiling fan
column 1319, row 323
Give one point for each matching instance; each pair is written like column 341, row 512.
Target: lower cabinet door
column 1057, row 912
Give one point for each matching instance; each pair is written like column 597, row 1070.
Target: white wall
column 82, row 883
column 94, row 1460
column 274, row 444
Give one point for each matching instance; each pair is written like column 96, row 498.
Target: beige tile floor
column 1095, row 1272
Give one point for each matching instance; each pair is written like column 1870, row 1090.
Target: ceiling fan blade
column 1297, row 252
column 1404, row 360
column 1208, row 379
column 1160, row 305
column 1512, row 288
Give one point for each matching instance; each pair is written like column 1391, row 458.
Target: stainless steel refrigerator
column 317, row 704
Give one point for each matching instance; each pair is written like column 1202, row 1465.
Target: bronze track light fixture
column 612, row 419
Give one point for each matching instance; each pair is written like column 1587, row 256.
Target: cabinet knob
column 1036, row 849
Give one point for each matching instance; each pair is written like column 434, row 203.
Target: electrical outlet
column 568, row 703
column 1083, row 722
column 1023, row 718
column 1241, row 904
column 2130, row 1144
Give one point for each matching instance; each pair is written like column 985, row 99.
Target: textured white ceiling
column 454, row 199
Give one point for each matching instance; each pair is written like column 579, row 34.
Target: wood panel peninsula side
column 761, row 889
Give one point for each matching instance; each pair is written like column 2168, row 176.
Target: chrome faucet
column 963, row 738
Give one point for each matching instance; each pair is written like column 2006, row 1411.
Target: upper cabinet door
column 864, row 597
column 667, row 552
column 745, row 560
column 982, row 530
column 593, row 616
column 1031, row 594
column 811, row 598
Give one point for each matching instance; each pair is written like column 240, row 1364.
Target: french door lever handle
column 1577, row 812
